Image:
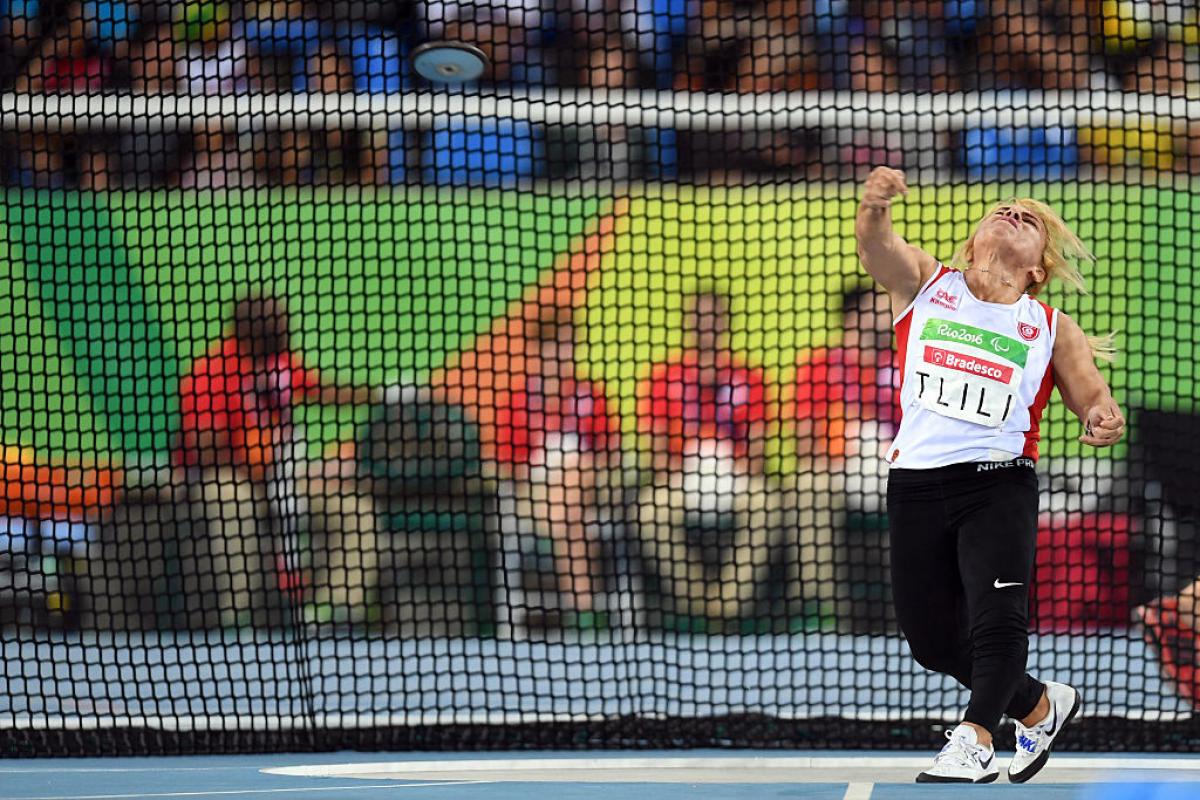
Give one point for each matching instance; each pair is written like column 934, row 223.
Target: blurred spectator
column 153, row 60
column 599, row 51
column 20, row 30
column 705, row 402
column 79, row 54
column 1171, row 69
column 340, row 155
column 914, row 45
column 235, row 444
column 284, row 34
column 212, row 59
column 847, row 397
column 35, row 160
column 846, row 410
column 135, row 159
column 1172, row 627
column 711, row 523
column 655, row 32
column 1147, row 58
column 557, row 442
column 762, row 46
column 1036, row 44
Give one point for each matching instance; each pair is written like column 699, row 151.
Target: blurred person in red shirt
column 78, row 55
column 235, row 445
column 705, row 403
column 847, row 397
column 556, row 439
column 845, row 408
column 712, row 523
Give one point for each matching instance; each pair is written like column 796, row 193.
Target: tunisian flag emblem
column 1028, row 332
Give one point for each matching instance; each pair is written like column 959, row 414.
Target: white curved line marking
column 858, row 791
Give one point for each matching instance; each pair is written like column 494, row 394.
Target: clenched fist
column 1103, row 425
column 882, row 185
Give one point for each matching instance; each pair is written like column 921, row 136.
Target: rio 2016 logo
column 951, row 332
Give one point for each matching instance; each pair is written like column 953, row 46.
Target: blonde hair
column 1061, row 259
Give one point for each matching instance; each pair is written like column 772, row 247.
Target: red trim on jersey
column 904, row 325
column 1033, row 435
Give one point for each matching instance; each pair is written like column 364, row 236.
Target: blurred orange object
column 1178, row 646
column 48, row 491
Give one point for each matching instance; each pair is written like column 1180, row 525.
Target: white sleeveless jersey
column 975, row 376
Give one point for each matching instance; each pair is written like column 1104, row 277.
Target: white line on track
column 245, row 792
column 858, row 791
column 38, row 771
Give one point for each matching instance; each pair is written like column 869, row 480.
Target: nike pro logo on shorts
column 1000, row 585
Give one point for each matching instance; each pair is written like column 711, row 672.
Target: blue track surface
column 241, row 776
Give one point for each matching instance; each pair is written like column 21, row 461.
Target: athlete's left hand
column 1103, row 424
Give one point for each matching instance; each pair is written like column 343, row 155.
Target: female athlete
column 979, row 357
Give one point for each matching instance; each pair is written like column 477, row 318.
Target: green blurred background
column 106, row 298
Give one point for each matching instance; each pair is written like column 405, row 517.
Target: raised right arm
column 897, row 266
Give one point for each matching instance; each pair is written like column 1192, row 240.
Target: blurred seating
column 1126, row 27
column 285, row 37
column 488, row 152
column 420, row 456
column 962, row 17
column 1144, row 143
column 379, row 59
column 657, row 31
column 660, row 153
column 109, row 22
column 19, row 22
column 1025, row 154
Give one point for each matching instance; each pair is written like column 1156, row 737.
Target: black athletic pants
column 963, row 540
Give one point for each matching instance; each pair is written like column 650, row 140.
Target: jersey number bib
column 969, row 373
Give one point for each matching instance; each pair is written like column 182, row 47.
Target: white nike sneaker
column 1034, row 744
column 962, row 760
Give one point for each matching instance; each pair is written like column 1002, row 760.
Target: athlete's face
column 1013, row 235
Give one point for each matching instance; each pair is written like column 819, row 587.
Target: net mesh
column 345, row 408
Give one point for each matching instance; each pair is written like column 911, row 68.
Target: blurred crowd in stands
column 211, row 47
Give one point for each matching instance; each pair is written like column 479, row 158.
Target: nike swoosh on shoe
column 1054, row 717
